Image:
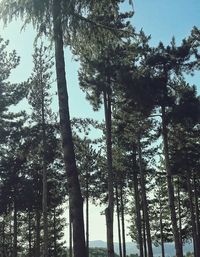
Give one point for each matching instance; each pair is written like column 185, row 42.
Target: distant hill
column 132, row 248
column 99, row 252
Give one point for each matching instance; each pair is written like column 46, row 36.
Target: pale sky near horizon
column 160, row 18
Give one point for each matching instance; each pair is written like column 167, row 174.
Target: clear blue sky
column 161, row 19
column 166, row 18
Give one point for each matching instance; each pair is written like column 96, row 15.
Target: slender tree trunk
column 123, row 225
column 118, row 221
column 137, row 207
column 87, row 226
column 29, row 234
column 38, row 216
column 161, row 229
column 179, row 213
column 178, row 245
column 10, row 235
column 44, row 177
column 70, row 233
column 194, row 232
column 110, row 209
column 3, row 237
column 15, row 231
column 54, row 233
column 197, row 212
column 144, row 236
column 144, row 201
column 162, row 237
column 87, row 214
column 76, row 200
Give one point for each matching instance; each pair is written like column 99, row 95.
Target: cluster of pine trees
column 145, row 164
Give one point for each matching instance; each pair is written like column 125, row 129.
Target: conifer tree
column 97, row 76
column 11, row 159
column 40, row 100
column 57, row 17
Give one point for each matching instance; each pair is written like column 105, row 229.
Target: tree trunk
column 144, row 201
column 3, row 237
column 178, row 245
column 123, row 225
column 54, row 232
column 110, row 209
column 15, row 231
column 118, row 222
column 179, row 213
column 87, row 214
column 70, row 233
column 161, row 229
column 10, row 234
column 29, row 234
column 76, row 200
column 37, row 250
column 162, row 237
column 137, row 207
column 194, row 232
column 44, row 178
column 197, row 212
column 144, row 236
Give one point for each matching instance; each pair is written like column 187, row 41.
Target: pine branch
column 103, row 25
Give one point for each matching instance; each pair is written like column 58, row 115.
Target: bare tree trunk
column 29, row 234
column 137, row 207
column 70, row 233
column 123, row 225
column 118, row 221
column 179, row 213
column 38, row 216
column 54, row 229
column 15, row 230
column 44, row 177
column 178, row 245
column 161, row 229
column 144, row 236
column 3, row 236
column 76, row 200
column 10, row 234
column 197, row 212
column 110, row 209
column 162, row 237
column 144, row 201
column 194, row 232
column 87, row 215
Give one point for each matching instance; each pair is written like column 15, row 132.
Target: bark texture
column 15, row 231
column 118, row 221
column 137, row 207
column 87, row 215
column 54, row 232
column 161, row 229
column 194, row 231
column 75, row 197
column 70, row 234
column 29, row 234
column 37, row 250
column 196, row 211
column 179, row 212
column 110, row 209
column 123, row 222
